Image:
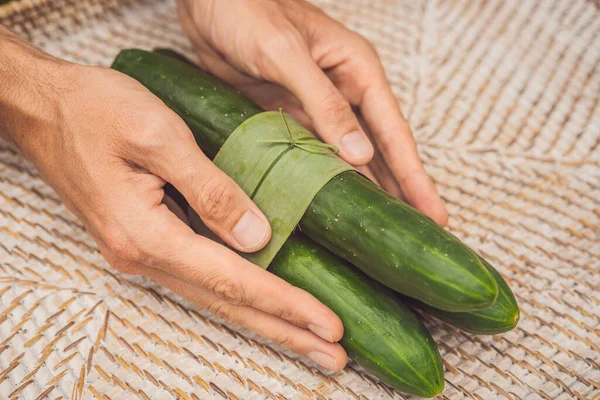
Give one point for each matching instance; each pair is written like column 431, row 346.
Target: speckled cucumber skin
column 209, row 107
column 500, row 317
column 380, row 333
column 397, row 245
column 350, row 216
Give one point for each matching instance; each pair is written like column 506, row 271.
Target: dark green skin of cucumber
column 380, row 333
column 190, row 94
column 500, row 317
column 384, row 237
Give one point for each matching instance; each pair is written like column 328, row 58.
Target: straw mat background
column 503, row 97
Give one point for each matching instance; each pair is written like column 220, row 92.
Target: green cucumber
column 397, row 245
column 500, row 317
column 380, row 333
column 384, row 237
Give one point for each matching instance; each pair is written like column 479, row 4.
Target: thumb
column 221, row 204
column 217, row 199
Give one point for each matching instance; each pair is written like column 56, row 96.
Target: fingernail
column 250, row 231
column 357, row 145
column 323, row 360
column 321, row 332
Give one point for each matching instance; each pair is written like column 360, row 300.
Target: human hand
column 108, row 146
column 288, row 53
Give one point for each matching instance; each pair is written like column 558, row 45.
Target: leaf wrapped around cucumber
column 384, row 237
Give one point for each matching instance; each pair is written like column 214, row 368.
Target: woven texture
column 503, row 97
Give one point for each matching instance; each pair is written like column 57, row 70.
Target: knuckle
column 282, row 41
column 152, row 131
column 226, row 289
column 215, row 198
column 284, row 339
column 278, row 45
column 336, row 107
column 149, row 131
column 362, row 45
column 124, row 267
column 366, row 45
column 121, row 246
column 220, row 310
column 282, row 313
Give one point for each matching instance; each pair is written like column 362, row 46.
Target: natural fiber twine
column 503, row 97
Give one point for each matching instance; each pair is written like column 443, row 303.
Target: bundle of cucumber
column 362, row 225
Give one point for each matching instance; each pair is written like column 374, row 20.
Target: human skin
column 290, row 54
column 108, row 146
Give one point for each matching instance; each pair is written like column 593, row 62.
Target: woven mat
column 504, row 100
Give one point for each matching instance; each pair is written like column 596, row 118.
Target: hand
column 288, row 53
column 108, row 146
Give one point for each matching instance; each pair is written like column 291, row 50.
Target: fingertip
column 321, row 332
column 331, row 356
column 356, row 148
column 366, row 171
column 341, row 357
column 252, row 231
column 435, row 209
column 338, row 331
column 327, row 326
column 420, row 192
column 433, row 206
column 332, row 334
column 441, row 214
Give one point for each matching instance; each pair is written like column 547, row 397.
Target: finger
column 175, row 208
column 366, row 171
column 399, row 150
column 290, row 64
column 209, row 58
column 387, row 179
column 217, row 199
column 269, row 96
column 177, row 250
column 301, row 341
column 379, row 169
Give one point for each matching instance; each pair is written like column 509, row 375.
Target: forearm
column 28, row 87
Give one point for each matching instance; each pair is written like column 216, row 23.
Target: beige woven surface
column 504, row 100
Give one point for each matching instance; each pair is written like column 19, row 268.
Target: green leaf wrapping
column 282, row 166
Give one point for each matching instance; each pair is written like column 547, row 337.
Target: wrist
column 29, row 90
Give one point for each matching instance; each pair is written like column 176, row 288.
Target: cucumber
column 380, row 333
column 397, row 245
column 500, row 317
column 384, row 237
